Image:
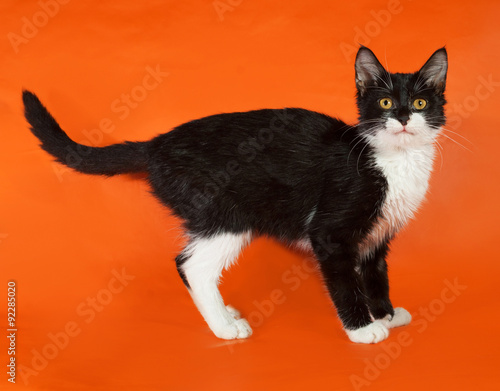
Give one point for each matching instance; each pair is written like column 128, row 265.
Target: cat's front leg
column 338, row 265
column 373, row 271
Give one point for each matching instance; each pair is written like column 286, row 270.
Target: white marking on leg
column 372, row 333
column 207, row 258
column 401, row 318
column 233, row 311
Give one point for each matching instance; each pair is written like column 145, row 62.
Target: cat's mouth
column 405, row 131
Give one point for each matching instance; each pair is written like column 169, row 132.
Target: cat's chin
column 407, row 139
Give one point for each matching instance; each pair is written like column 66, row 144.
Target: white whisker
column 359, row 157
column 456, row 142
column 352, row 149
column 365, row 122
column 457, row 134
column 382, row 80
column 440, row 148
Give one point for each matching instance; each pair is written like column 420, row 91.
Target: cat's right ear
column 369, row 71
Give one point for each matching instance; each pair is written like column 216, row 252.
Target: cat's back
column 257, row 128
column 279, row 145
column 285, row 144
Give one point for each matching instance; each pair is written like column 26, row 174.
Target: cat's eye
column 385, row 103
column 419, row 104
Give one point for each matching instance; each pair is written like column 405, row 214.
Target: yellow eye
column 419, row 104
column 385, row 103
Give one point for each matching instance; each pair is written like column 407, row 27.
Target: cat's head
column 400, row 110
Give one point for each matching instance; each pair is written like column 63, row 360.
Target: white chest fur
column 407, row 173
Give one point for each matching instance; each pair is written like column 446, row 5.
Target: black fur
column 265, row 171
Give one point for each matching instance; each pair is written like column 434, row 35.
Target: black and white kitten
column 302, row 177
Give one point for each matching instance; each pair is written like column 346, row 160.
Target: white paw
column 233, row 311
column 372, row 333
column 238, row 328
column 401, row 318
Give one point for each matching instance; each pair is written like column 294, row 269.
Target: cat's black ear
column 369, row 71
column 434, row 70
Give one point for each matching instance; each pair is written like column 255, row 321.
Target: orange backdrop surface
column 99, row 303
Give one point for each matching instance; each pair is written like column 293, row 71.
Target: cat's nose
column 403, row 119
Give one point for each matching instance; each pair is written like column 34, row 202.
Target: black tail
column 115, row 159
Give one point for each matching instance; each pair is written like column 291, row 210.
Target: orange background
column 62, row 234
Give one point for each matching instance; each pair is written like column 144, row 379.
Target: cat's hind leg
column 200, row 265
